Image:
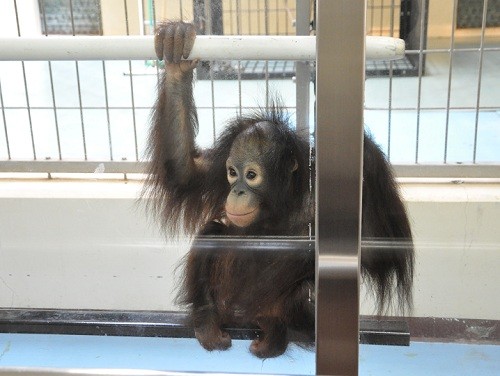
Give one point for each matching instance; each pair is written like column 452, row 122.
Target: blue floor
column 167, row 354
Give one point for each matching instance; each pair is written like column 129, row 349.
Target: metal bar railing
column 78, row 83
column 131, row 80
column 84, row 167
column 390, row 94
column 450, row 77
column 206, row 47
column 302, row 71
column 51, row 77
column 421, row 63
column 27, row 97
column 402, row 171
column 448, row 171
column 171, row 324
column 480, row 76
column 4, row 118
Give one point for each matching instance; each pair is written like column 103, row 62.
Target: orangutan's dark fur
column 188, row 188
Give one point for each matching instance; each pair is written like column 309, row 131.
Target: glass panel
column 441, row 114
column 89, row 277
column 216, row 253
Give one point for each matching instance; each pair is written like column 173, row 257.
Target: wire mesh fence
column 438, row 106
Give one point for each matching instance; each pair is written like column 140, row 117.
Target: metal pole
column 339, row 148
column 206, row 47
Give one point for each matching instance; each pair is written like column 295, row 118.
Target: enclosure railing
column 415, row 21
column 297, row 48
column 81, row 48
column 206, row 47
column 384, row 18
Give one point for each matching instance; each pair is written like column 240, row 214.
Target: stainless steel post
column 340, row 45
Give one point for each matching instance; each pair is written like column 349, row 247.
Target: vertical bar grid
column 106, row 96
column 28, row 106
column 231, row 14
column 375, row 6
column 153, row 8
column 51, row 78
column 391, row 76
column 106, row 101
column 420, row 73
column 238, row 32
column 339, row 106
column 212, row 93
column 134, row 122
column 302, row 72
column 382, row 8
column 152, row 15
column 259, row 29
column 78, row 85
column 266, row 31
column 7, row 143
column 371, row 8
column 105, row 82
column 140, row 17
column 277, row 12
column 450, row 78
column 480, row 76
column 208, row 17
column 212, row 87
column 249, row 18
column 286, row 12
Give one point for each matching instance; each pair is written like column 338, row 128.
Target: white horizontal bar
column 205, row 48
column 384, row 48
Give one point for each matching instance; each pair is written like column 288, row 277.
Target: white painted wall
column 440, row 18
column 457, row 241
column 82, row 245
column 89, row 244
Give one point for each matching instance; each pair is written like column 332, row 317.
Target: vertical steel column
column 339, row 105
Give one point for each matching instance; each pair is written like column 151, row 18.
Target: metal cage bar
column 411, row 9
column 339, row 135
column 453, row 172
column 390, row 94
column 78, row 83
column 302, row 70
column 51, row 77
column 450, row 77
column 424, row 6
column 480, row 77
column 131, row 80
column 4, row 118
column 206, row 47
column 27, row 97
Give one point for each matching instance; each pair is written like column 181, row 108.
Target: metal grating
column 248, row 69
column 400, row 68
column 256, row 69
